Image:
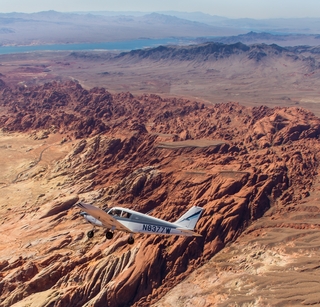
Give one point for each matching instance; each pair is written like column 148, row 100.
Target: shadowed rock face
column 144, row 153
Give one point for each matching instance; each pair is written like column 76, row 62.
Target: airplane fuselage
column 151, row 228
column 141, row 223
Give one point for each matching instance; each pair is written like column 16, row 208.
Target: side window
column 125, row 214
column 120, row 213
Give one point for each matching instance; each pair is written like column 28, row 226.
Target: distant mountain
column 65, row 28
column 170, row 20
column 207, row 52
column 252, row 37
column 264, row 37
column 279, row 25
column 114, row 13
column 276, row 25
column 197, row 16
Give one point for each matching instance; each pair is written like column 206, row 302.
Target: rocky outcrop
column 188, row 53
column 262, row 160
column 59, row 206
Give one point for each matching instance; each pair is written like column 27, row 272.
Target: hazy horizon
column 224, row 8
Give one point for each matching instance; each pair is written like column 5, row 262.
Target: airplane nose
column 83, row 214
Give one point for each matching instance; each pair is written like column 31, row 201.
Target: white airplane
column 130, row 221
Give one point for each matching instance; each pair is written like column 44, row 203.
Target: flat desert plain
column 272, row 81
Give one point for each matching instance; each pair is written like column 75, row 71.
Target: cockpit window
column 119, row 213
column 125, row 214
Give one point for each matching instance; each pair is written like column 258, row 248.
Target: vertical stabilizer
column 190, row 218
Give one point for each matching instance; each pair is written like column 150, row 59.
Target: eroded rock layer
column 144, row 153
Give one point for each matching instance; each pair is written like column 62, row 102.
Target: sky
column 258, row 9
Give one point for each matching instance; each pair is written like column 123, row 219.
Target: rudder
column 190, row 218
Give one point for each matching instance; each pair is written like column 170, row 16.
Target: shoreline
column 125, row 45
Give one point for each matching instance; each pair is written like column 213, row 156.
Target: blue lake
column 121, row 46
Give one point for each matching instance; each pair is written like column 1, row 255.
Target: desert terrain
column 233, row 128
column 253, row 170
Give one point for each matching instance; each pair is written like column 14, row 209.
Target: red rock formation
column 264, row 158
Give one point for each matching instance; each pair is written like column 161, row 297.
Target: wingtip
column 197, row 235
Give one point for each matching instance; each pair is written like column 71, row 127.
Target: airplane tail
column 190, row 218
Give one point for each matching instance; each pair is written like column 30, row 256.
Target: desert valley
column 230, row 125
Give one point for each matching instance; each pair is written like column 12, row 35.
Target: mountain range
column 51, row 27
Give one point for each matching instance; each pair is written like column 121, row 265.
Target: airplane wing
column 189, row 232
column 106, row 219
